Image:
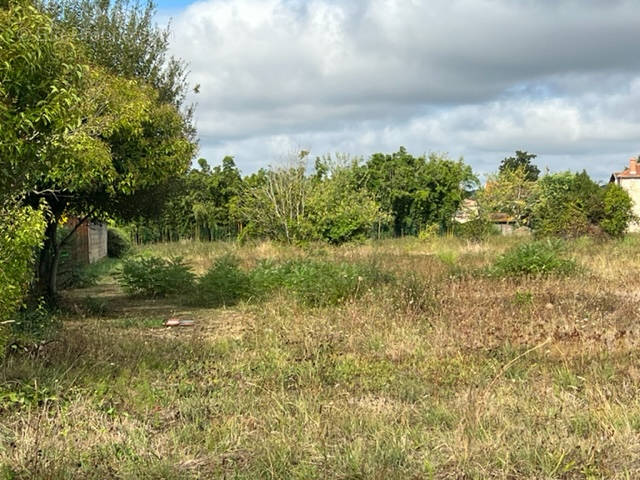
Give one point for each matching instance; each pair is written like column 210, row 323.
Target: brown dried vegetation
column 445, row 373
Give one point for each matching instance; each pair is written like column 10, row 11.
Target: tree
column 274, row 206
column 512, row 192
column 618, row 210
column 521, row 160
column 442, row 186
column 41, row 78
column 416, row 190
column 75, row 137
column 569, row 204
column 121, row 36
column 393, row 181
column 340, row 208
column 138, row 143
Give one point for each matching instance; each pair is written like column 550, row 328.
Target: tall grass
column 423, row 375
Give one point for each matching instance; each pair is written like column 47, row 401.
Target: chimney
column 633, row 166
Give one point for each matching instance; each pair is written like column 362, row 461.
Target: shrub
column 154, row 276
column 118, row 243
column 317, row 283
column 477, row 229
column 618, row 210
column 84, row 276
column 535, row 258
column 21, row 233
column 32, row 324
column 429, row 232
column 223, row 284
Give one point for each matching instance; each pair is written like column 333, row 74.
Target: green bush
column 317, row 283
column 477, row 229
column 535, row 258
column 118, row 243
column 569, row 205
column 21, row 234
column 155, row 277
column 223, row 284
column 618, row 210
column 32, row 324
column 84, row 276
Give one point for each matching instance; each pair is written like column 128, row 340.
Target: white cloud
column 478, row 78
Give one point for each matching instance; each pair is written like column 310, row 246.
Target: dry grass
column 443, row 374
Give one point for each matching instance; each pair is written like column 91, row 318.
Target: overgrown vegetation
column 20, row 235
column 225, row 283
column 311, row 281
column 543, row 257
column 118, row 243
column 155, row 277
column 317, row 282
column 334, row 356
column 409, row 372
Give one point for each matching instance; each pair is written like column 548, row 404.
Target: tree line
column 341, row 198
column 337, row 199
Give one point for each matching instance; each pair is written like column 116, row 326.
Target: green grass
column 422, row 374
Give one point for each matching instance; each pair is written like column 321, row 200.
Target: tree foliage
column 521, row 160
column 340, row 208
column 275, row 206
column 510, row 192
column 418, row 191
column 122, row 37
column 78, row 135
column 618, row 210
column 572, row 204
column 21, row 233
column 41, row 80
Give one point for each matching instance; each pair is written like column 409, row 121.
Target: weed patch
column 535, row 258
column 88, row 275
column 223, row 284
column 155, row 276
column 315, row 282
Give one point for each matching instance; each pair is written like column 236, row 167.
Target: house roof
column 500, row 217
column 632, row 171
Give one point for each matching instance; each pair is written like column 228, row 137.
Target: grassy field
column 440, row 371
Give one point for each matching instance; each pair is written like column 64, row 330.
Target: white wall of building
column 632, row 186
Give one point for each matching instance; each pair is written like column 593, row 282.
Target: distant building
column 468, row 211
column 89, row 242
column 504, row 222
column 629, row 179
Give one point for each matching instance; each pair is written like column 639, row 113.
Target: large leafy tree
column 123, row 37
column 571, row 204
column 139, row 143
column 418, row 191
column 79, row 136
column 41, row 80
column 392, row 179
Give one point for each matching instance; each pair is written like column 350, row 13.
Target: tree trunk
column 48, row 264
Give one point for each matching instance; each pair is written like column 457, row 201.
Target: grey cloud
column 473, row 77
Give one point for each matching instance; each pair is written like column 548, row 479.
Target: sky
column 476, row 79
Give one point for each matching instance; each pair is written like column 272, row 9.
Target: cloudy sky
column 474, row 78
